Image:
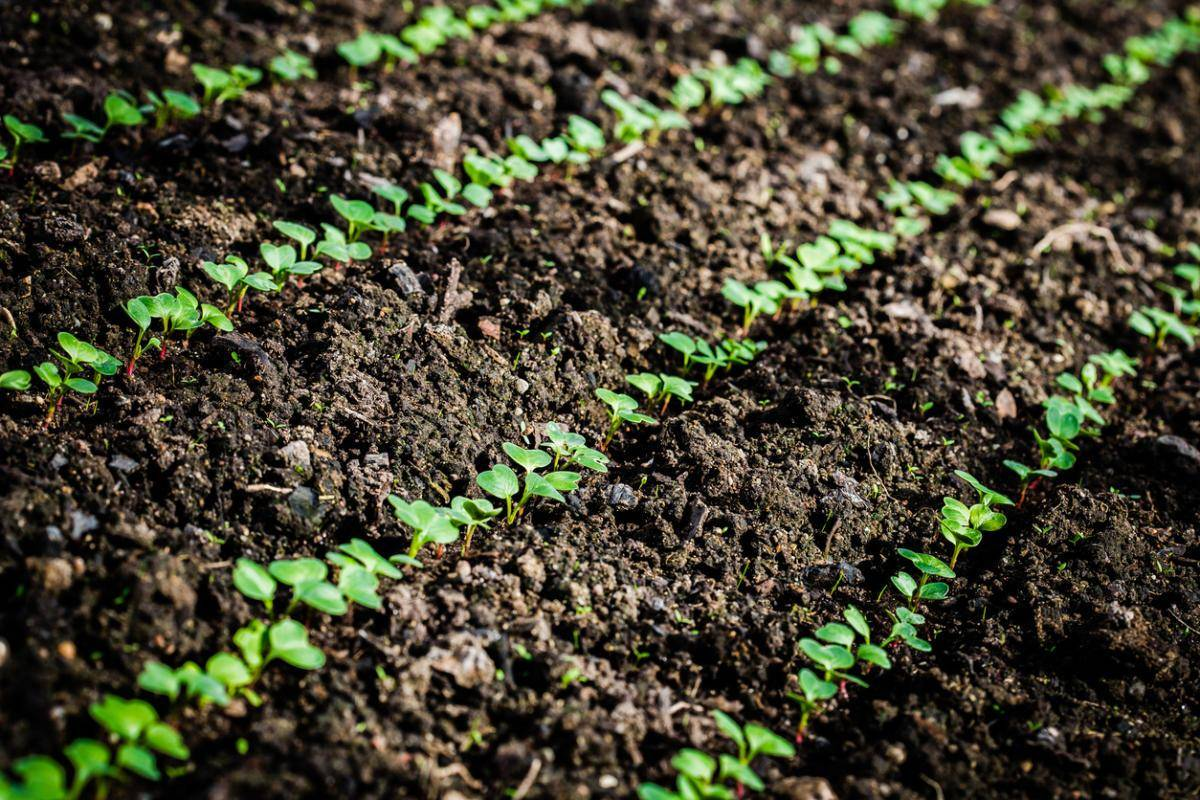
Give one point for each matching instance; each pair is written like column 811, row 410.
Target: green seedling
column 702, row 776
column 472, row 513
column 134, row 727
column 872, row 28
column 358, row 553
column 503, row 483
column 662, row 387
column 357, row 213
column 622, row 410
column 916, row 591
column 752, row 302
column 571, row 448
column 291, row 66
column 221, row 85
column 302, row 235
column 334, row 246
column 234, row 274
column 177, row 313
column 698, row 351
column 638, row 117
column 170, row 106
column 223, row 677
column 285, row 640
column 16, row 380
column 430, row 525
column 1158, row 324
column 962, row 525
column 924, row 10
column 904, row 630
column 22, row 133
column 283, row 263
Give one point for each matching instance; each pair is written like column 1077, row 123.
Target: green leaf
column 323, row 596
column 158, row 678
column 768, row 743
column 163, row 738
column 139, row 761
column 359, row 585
column 934, row 591
column 89, row 758
column 528, row 460
column 500, row 481
column 904, row 583
column 370, row 559
column 81, row 385
column 930, row 565
column 563, row 481
column 814, row 688
column 874, row 655
column 230, row 670
column 836, row 633
column 857, row 621
column 124, row 718
column 698, row 766
column 252, row 580
column 42, row 778
column 732, row 769
column 250, row 641
column 289, row 643
column 537, row 486
column 17, row 380
column 988, row 496
column 729, row 726
column 294, row 572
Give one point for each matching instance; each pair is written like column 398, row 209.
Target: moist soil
column 572, row 654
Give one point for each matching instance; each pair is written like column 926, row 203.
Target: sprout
column 302, row 235
column 430, row 525
column 291, row 66
column 220, row 85
column 662, row 387
column 170, row 106
column 503, row 483
column 1157, row 324
column 917, row 590
column 472, row 513
column 622, row 409
column 178, row 313
column 135, row 727
column 752, row 302
column 234, row 274
column 22, row 133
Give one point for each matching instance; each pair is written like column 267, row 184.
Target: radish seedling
column 292, row 66
column 622, row 409
column 1157, row 324
column 282, row 261
column 170, row 106
column 134, row 726
column 503, row 483
column 472, row 513
column 302, row 235
column 702, row 776
column 752, row 302
column 177, row 313
column 22, row 133
column 430, row 525
column 334, row 246
column 234, row 274
column 221, row 85
column 571, row 448
column 662, row 387
column 916, row 591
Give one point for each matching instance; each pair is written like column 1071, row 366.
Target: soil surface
column 573, row 654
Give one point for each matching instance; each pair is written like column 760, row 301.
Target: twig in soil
column 527, row 782
column 266, row 487
column 452, row 298
column 628, row 151
column 937, row 787
column 1070, row 229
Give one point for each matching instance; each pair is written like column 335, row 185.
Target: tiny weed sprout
column 622, row 410
column 916, row 591
column 22, row 133
column 170, row 106
column 662, row 387
column 430, row 525
column 134, row 728
column 234, row 274
column 221, row 85
column 702, row 776
column 1158, row 324
column 291, row 66
column 504, row 484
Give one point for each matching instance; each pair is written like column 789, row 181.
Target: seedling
column 282, row 262
column 698, row 351
column 917, row 591
column 291, row 66
column 134, row 727
column 177, row 313
column 702, row 776
column 571, row 448
column 962, row 525
column 622, row 409
column 637, row 117
column 170, row 106
column 1157, row 324
column 752, row 302
column 503, row 483
column 662, row 387
column 221, row 85
column 357, row 213
column 302, row 235
column 334, row 246
column 234, row 274
column 430, row 525
column 472, row 513
column 22, row 133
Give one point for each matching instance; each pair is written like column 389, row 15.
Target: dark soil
column 680, row 581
